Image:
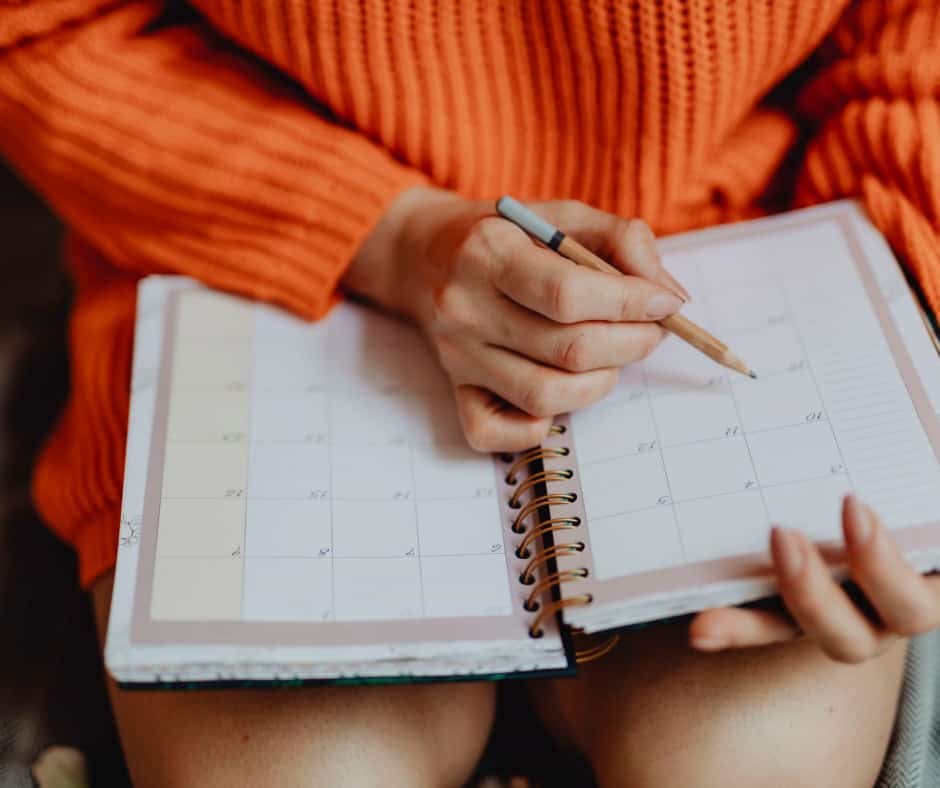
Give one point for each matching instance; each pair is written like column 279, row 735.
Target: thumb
column 627, row 244
column 722, row 628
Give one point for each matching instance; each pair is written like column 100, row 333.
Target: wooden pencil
column 555, row 239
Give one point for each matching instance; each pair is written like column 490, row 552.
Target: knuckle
column 538, row 432
column 477, row 435
column 568, row 209
column 574, row 353
column 450, row 306
column 536, row 397
column 470, row 245
column 628, row 302
column 448, row 353
column 480, row 244
column 562, row 299
column 637, row 230
column 636, row 238
column 491, row 231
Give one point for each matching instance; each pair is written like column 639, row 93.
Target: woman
column 285, row 149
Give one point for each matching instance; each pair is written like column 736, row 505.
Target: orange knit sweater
column 255, row 143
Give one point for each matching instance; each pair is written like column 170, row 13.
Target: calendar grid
column 737, row 410
column 337, row 440
column 662, row 459
column 736, row 455
column 788, row 426
column 655, row 507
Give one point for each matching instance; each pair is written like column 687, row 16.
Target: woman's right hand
column 513, row 322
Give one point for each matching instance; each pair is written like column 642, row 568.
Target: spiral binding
column 534, row 455
column 591, row 653
column 546, row 555
column 531, row 604
column 532, row 507
column 548, row 526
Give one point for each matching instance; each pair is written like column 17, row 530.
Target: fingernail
column 787, row 552
column 709, row 644
column 662, row 305
column 858, row 523
column 677, row 287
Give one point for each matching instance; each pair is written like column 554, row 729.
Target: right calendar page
column 681, row 472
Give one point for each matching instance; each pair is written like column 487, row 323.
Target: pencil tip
column 752, row 374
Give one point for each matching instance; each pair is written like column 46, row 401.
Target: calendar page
column 685, row 467
column 301, row 494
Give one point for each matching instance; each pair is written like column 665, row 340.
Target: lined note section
column 686, row 462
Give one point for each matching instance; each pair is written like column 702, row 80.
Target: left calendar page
column 300, row 504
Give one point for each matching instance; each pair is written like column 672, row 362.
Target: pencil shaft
column 581, row 255
column 694, row 334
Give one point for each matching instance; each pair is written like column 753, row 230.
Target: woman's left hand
column 906, row 603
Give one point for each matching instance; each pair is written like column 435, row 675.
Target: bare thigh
column 655, row 713
column 425, row 735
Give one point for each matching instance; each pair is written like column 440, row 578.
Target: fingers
column 567, row 293
column 738, row 627
column 628, row 244
column 576, row 348
column 904, row 600
column 535, row 389
column 490, row 425
column 820, row 607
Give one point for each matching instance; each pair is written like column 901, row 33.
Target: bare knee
column 419, row 735
column 395, row 736
column 656, row 714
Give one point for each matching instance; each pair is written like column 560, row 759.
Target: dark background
column 51, row 684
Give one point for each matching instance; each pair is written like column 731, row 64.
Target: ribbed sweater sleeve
column 171, row 152
column 875, row 106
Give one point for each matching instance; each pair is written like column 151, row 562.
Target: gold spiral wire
column 591, row 653
column 555, row 579
column 547, row 526
column 538, row 453
column 544, row 556
column 532, row 507
column 531, row 603
column 542, row 477
column 553, row 607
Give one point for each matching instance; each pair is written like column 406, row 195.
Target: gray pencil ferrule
column 532, row 223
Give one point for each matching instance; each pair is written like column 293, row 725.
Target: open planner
column 300, row 504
